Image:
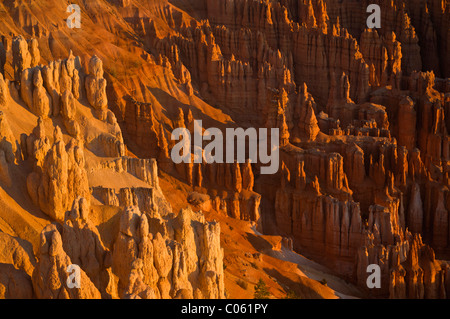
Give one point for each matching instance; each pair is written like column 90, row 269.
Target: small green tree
column 292, row 295
column 261, row 291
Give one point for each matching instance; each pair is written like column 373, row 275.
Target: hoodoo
column 224, row 149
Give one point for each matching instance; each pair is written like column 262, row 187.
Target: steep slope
column 363, row 117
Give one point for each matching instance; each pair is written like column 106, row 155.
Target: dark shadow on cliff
column 196, row 9
column 259, row 243
column 303, row 291
column 171, row 105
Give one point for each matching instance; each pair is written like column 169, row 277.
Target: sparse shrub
column 292, row 295
column 324, row 282
column 136, row 64
column 261, row 290
column 113, row 72
column 254, row 265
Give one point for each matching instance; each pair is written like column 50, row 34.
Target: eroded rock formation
column 363, row 116
column 59, row 176
column 185, row 258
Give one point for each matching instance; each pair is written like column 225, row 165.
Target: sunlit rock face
column 87, row 176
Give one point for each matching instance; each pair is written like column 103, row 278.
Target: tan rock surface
column 363, row 174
